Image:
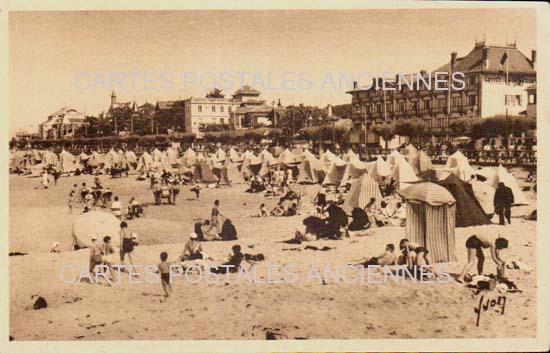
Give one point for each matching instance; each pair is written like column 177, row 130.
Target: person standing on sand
column 71, row 201
column 475, row 245
column 95, row 254
column 215, row 216
column 116, row 208
column 503, row 200
column 126, row 243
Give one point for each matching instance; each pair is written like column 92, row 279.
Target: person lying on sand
column 475, row 245
column 387, row 258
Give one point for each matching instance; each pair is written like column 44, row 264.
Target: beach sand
column 244, row 310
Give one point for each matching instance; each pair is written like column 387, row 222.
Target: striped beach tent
column 360, row 193
column 431, row 219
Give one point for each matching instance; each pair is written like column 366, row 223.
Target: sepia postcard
column 274, row 176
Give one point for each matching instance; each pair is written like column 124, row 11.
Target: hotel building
column 495, row 82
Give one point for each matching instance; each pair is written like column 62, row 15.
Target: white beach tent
column 189, row 158
column 354, row 169
column 310, row 170
column 485, row 194
column 395, row 158
column 67, row 162
column 458, row 160
column 503, row 176
column 379, row 169
column 335, row 172
column 403, row 174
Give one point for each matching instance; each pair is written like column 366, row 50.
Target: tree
column 462, row 126
column 215, row 93
column 385, row 130
column 343, row 111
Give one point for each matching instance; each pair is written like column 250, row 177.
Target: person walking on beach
column 164, row 270
column 503, row 200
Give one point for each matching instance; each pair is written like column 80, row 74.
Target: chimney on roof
column 453, row 60
column 485, row 57
column 534, row 59
column 354, row 85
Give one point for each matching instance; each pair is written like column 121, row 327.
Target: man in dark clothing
column 504, row 198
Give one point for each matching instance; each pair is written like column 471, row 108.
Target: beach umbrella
column 95, row 223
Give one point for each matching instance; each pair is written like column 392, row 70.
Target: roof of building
column 63, row 111
column 209, row 100
column 254, row 109
column 163, row 105
column 246, row 91
column 501, row 58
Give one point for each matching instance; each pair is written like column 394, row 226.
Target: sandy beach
column 244, row 310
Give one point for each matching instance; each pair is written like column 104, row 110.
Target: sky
column 76, row 59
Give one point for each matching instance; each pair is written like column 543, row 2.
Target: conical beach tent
column 335, row 172
column 360, row 193
column 468, row 209
column 230, row 174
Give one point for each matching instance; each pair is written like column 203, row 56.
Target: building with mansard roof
column 495, row 82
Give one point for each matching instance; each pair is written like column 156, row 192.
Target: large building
column 495, row 82
column 244, row 110
column 61, row 124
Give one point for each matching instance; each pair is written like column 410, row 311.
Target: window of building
column 401, row 106
column 427, row 104
column 222, row 121
column 532, row 99
column 472, row 100
column 414, row 105
column 213, row 109
column 441, row 102
column 229, row 109
column 456, row 102
column 221, row 109
column 199, row 108
column 389, row 107
column 512, row 99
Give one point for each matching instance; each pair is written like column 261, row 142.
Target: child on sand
column 263, row 211
column 164, row 270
